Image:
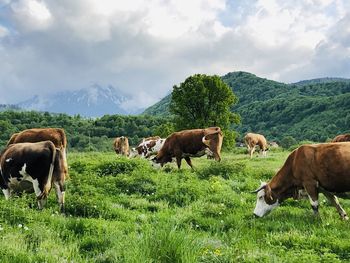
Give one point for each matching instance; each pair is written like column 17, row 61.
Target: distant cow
column 121, row 145
column 314, row 168
column 342, row 138
column 148, row 148
column 190, row 143
column 39, row 163
column 56, row 135
column 252, row 140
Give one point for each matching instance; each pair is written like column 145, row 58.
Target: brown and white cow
column 148, row 148
column 254, row 139
column 315, row 168
column 190, row 143
column 342, row 138
column 56, row 135
column 39, row 163
column 121, row 145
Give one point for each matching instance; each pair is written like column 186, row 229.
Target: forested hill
column 308, row 110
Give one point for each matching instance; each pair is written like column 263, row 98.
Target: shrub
column 224, row 169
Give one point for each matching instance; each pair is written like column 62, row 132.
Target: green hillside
column 309, row 110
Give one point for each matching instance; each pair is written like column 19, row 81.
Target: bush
column 225, row 169
column 119, row 166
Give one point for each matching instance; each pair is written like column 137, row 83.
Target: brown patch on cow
column 342, row 138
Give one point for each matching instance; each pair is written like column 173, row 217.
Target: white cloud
column 146, row 47
column 31, row 14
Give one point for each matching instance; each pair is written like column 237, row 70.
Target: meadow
column 124, row 210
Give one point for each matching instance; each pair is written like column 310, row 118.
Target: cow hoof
column 345, row 218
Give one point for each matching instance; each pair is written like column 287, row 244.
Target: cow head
column 266, row 201
column 159, row 160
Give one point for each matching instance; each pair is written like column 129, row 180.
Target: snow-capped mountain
column 94, row 101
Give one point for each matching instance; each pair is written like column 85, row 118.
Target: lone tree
column 203, row 101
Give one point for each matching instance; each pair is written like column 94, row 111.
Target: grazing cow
column 254, row 139
column 190, row 143
column 148, row 148
column 56, row 135
column 39, row 163
column 342, row 138
column 315, row 168
column 121, row 145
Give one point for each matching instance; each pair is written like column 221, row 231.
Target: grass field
column 120, row 210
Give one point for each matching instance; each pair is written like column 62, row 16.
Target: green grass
column 121, row 210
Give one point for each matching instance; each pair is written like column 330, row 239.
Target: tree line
column 85, row 134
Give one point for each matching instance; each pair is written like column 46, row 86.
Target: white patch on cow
column 23, row 172
column 13, row 181
column 36, row 187
column 313, row 203
column 262, row 208
column 208, row 152
column 60, row 194
column 8, row 160
column 6, row 193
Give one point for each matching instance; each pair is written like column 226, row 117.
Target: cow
column 56, row 135
column 314, row 168
column 190, row 143
column 121, row 145
column 252, row 140
column 342, row 138
column 148, row 148
column 39, row 163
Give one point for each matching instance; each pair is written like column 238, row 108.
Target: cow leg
column 312, row 192
column 5, row 188
column 335, row 202
column 7, row 193
column 178, row 161
column 60, row 193
column 189, row 162
column 252, row 150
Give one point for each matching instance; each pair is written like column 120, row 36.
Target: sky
column 145, row 47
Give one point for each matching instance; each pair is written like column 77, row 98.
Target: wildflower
column 26, row 228
column 220, row 213
column 197, row 226
column 20, row 225
column 217, row 252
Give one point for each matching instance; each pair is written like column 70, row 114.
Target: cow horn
column 261, row 187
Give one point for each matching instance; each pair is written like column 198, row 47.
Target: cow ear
column 262, row 186
column 268, row 192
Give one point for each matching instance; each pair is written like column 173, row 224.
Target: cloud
column 146, row 47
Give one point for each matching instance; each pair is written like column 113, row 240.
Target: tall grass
column 123, row 210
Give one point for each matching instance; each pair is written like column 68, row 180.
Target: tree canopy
column 202, row 101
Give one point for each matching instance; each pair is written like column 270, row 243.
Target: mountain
column 93, row 101
column 321, row 80
column 307, row 110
